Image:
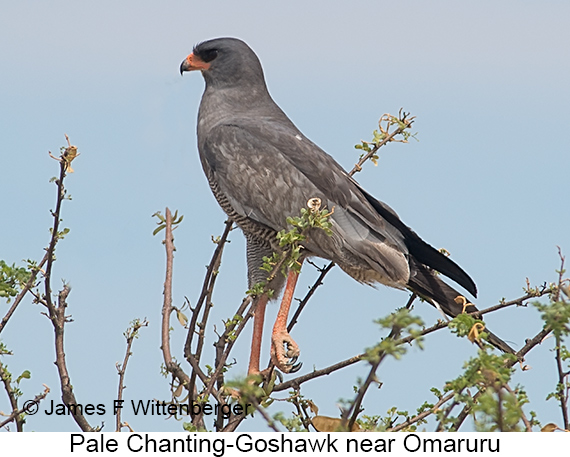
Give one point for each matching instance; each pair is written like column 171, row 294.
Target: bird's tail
column 431, row 288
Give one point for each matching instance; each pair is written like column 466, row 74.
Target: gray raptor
column 262, row 170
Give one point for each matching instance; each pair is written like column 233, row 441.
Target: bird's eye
column 209, row 55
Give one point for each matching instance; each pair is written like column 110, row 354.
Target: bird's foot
column 285, row 352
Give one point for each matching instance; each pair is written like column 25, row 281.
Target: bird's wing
column 269, row 170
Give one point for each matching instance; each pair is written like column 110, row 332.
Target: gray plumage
column 262, row 170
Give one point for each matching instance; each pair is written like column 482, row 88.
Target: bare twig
column 233, row 423
column 58, row 318
column 223, row 346
column 539, row 292
column 167, row 304
column 207, row 287
column 172, row 367
column 319, row 282
column 130, row 335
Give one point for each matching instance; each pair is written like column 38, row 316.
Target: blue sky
column 488, row 179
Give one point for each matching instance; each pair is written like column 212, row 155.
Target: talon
column 292, row 360
column 296, row 368
column 285, row 352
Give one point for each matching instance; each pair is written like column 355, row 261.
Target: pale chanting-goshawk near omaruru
column 262, row 170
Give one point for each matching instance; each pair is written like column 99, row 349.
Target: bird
column 262, row 170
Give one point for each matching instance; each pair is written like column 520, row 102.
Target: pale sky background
column 488, row 179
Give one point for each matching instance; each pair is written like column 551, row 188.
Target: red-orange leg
column 258, row 319
column 284, row 350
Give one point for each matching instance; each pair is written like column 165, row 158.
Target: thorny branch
column 296, row 382
column 130, row 335
column 440, row 426
column 183, row 379
column 223, row 346
column 56, row 313
column 167, row 304
column 357, row 358
column 319, row 282
column 18, row 413
column 170, row 365
column 12, row 396
column 520, row 355
column 31, row 282
column 301, row 407
column 205, row 297
column 423, row 414
column 226, row 341
column 403, row 121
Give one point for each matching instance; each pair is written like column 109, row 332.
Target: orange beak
column 193, row 62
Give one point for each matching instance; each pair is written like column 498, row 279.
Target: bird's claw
column 294, row 365
column 285, row 353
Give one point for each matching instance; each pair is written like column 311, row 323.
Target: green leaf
column 158, row 229
column 25, row 375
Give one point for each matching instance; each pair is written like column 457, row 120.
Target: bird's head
column 224, row 62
